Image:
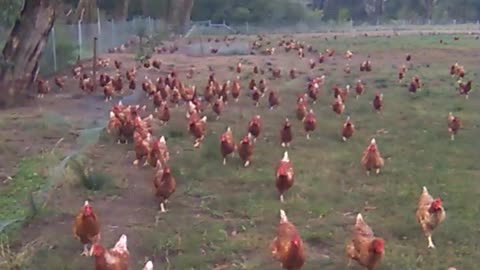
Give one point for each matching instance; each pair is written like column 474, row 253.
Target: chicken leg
column 281, row 198
column 430, row 242
column 308, row 136
column 85, row 251
column 224, row 161
column 162, row 208
column 377, row 171
column 247, row 163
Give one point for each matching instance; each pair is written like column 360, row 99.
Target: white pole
column 79, row 39
column 98, row 22
column 54, row 46
column 113, row 33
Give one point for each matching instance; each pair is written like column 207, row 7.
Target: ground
column 223, row 217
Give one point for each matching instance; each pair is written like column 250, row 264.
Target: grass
column 15, row 197
column 226, row 215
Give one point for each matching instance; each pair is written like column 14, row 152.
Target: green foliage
column 343, row 15
column 9, row 11
column 89, row 178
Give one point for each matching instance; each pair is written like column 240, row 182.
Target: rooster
column 453, row 125
column 273, row 99
column 287, row 247
column 86, row 227
column 378, row 102
column 197, row 129
column 255, row 127
column 309, row 123
column 347, row 129
column 115, row 258
column 371, row 158
column 286, row 135
column 245, row 149
column 359, row 88
column 363, row 246
column 165, row 185
column 430, row 214
column 284, row 175
column 227, row 144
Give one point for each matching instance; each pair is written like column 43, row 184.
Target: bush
column 90, row 178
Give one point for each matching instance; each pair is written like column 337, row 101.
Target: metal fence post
column 79, row 25
column 246, row 27
column 98, row 22
column 54, row 47
column 113, row 33
column 94, row 63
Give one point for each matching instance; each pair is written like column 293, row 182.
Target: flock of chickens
column 127, row 124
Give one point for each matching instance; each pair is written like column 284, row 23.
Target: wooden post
column 94, row 63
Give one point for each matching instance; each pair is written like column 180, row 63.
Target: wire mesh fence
column 69, row 42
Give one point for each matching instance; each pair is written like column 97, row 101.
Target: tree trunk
column 121, row 10
column 185, row 14
column 429, row 5
column 89, row 10
column 23, row 49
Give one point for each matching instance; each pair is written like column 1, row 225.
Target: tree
column 19, row 65
column 429, row 6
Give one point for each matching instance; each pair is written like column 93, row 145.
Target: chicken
column 347, row 69
column 42, row 88
column 255, row 70
column 348, row 54
column 141, row 146
column 236, row 89
column 239, row 67
column 245, row 149
column 60, row 82
column 464, row 88
column 343, row 93
column 286, row 135
column 256, row 96
column 430, row 214
column 159, row 154
column 312, row 91
column 163, row 113
column 218, row 107
column 293, row 73
column 287, row 247
column 284, row 175
column 347, row 129
column 156, row 64
column 359, row 88
column 453, row 125
column 197, row 129
column 148, row 266
column 108, row 91
column 273, row 99
column 227, row 144
column 338, row 106
column 371, row 158
column 255, row 127
column 301, row 110
column 363, row 246
column 378, row 102
column 165, row 185
column 115, row 258
column 312, row 63
column 118, row 64
column 408, row 57
column 86, row 227
column 309, row 123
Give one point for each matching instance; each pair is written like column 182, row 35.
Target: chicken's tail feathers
column 359, row 218
column 283, row 216
column 121, row 245
column 148, row 266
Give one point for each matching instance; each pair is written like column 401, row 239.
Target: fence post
column 98, row 22
column 79, row 26
column 94, row 63
column 246, row 27
column 113, row 33
column 54, row 46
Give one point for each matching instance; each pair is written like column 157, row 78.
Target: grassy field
column 224, row 217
